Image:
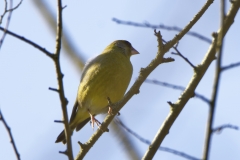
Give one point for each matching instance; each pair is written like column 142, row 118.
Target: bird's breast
column 108, row 78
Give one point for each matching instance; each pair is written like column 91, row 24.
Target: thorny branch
column 62, row 97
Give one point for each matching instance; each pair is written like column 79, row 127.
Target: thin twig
column 161, row 26
column 166, row 149
column 47, row 53
column 8, row 19
column 59, row 121
column 9, row 10
column 179, row 54
column 10, row 135
column 62, row 97
column 230, row 66
column 216, row 84
column 220, row 128
column 53, row 89
column 185, row 30
column 197, row 95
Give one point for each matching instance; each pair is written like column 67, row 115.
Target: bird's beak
column 134, row 51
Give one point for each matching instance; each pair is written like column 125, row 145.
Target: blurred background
column 26, row 74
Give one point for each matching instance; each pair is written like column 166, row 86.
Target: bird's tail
column 61, row 138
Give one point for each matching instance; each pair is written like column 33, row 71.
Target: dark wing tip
column 61, row 138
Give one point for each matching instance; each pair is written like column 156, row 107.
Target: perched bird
column 106, row 77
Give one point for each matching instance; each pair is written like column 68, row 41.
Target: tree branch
column 220, row 128
column 8, row 19
column 216, row 83
column 47, row 53
column 179, row 54
column 190, row 24
column 55, row 57
column 177, row 87
column 230, row 66
column 166, row 149
column 198, row 74
column 161, row 26
column 162, row 49
column 62, row 97
column 10, row 135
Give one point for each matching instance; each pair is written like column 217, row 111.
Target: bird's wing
column 74, row 111
column 76, row 105
column 82, row 124
column 93, row 61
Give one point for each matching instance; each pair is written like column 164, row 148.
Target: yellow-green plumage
column 107, row 75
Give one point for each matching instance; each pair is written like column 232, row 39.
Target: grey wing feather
column 75, row 107
column 89, row 64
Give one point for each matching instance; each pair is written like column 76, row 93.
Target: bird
column 105, row 77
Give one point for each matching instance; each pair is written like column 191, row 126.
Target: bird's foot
column 110, row 111
column 94, row 120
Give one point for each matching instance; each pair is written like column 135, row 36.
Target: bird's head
column 124, row 46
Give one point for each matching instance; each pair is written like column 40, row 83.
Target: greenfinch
column 104, row 78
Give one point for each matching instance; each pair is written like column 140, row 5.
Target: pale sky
column 26, row 74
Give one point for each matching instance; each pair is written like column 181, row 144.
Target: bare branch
column 185, row 30
column 162, row 26
column 230, row 66
column 53, row 89
column 196, row 78
column 9, row 10
column 47, row 53
column 181, row 154
column 62, row 97
column 216, row 84
column 220, row 128
column 59, row 121
column 197, row 95
column 55, row 58
column 160, row 43
column 10, row 135
column 9, row 18
column 178, row 53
